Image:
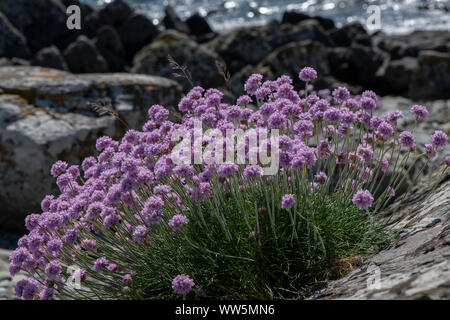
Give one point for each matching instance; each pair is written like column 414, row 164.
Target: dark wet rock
column 365, row 62
column 198, row 25
column 240, row 47
column 172, row 21
column 294, row 17
column 136, row 32
column 433, row 80
column 306, row 30
column 349, row 33
column 91, row 24
column 42, row 22
column 200, row 61
column 44, row 117
column 50, row 57
column 398, row 75
column 12, row 41
column 111, row 48
column 83, row 57
column 292, row 57
column 326, row 23
column 115, row 12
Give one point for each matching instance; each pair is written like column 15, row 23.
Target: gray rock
column 152, row 59
column 12, row 42
column 42, row 22
column 198, row 25
column 398, row 75
column 83, row 57
column 50, row 57
column 416, row 265
column 136, row 32
column 44, row 117
column 111, row 48
column 433, row 80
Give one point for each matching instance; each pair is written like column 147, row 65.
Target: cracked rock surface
column 417, row 264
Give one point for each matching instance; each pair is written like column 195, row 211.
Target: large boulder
column 82, row 56
column 44, row 117
column 433, row 79
column 199, row 28
column 115, row 12
column 12, row 41
column 292, row 57
column 136, row 32
column 293, row 17
column 241, row 46
column 153, row 59
column 398, row 75
column 172, row 21
column 109, row 45
column 42, row 22
column 50, row 57
column 288, row 59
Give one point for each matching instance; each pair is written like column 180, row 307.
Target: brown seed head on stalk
column 222, row 68
column 104, row 107
column 180, row 71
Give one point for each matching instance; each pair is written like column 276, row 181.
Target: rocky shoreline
column 117, row 39
column 48, row 74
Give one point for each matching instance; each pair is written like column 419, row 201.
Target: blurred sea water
column 397, row 16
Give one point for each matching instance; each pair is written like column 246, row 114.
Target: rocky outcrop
column 109, row 45
column 50, row 57
column 12, row 42
column 44, row 117
column 417, row 264
column 172, row 21
column 82, row 56
column 136, row 32
column 42, row 22
column 153, row 59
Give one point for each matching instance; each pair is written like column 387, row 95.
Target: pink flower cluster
column 124, row 192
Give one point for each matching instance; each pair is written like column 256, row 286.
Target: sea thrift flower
column 253, row 171
column 182, row 284
column 407, row 139
column 430, row 151
column 178, row 221
column 439, row 139
column 420, row 112
column 307, row 74
column 288, row 201
column 362, row 199
column 58, row 168
column 253, row 83
column 321, row 177
column 447, row 160
column 140, row 234
column 100, row 264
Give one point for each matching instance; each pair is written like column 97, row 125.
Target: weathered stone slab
column 417, row 264
column 44, row 117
